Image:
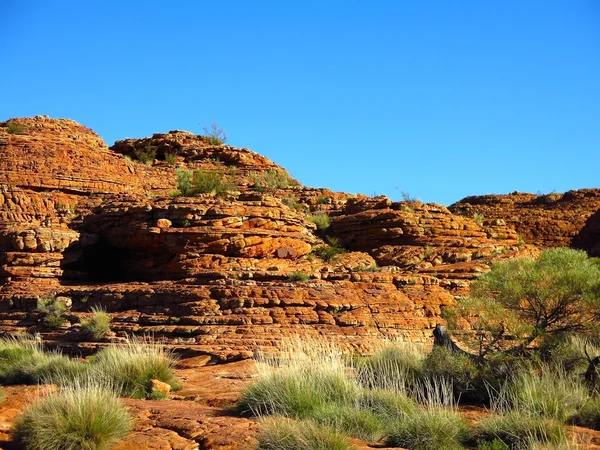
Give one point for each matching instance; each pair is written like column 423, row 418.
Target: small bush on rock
column 53, row 310
column 98, row 324
column 322, row 221
column 79, row 417
column 298, row 276
column 14, row 127
column 285, row 434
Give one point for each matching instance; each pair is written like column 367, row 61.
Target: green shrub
column 270, row 180
column 171, row 158
column 478, row 218
column 588, row 415
column 329, row 252
column 551, row 393
column 296, row 393
column 395, row 366
column 386, row 403
column 298, row 276
column 53, row 311
column 322, row 221
column 13, row 127
column 184, row 182
column 293, row 203
column 285, row 434
column 215, row 134
column 429, row 429
column 460, row 369
column 133, row 365
column 518, row 429
column 98, row 324
column 211, row 181
column 80, row 417
column 357, row 422
column 496, row 444
column 147, row 155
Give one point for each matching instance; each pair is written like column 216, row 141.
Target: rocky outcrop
column 425, row 238
column 588, row 238
column 550, row 220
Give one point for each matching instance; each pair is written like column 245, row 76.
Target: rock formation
column 212, row 274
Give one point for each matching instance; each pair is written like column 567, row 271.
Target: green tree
column 522, row 299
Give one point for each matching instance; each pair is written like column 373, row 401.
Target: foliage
column 429, row 429
column 285, row 434
column 203, row 181
column 329, row 252
column 322, row 221
column 271, row 180
column 184, row 182
column 396, row 366
column 13, row 127
column 146, row 155
column 215, row 134
column 22, row 360
column 293, row 203
column 98, row 324
column 298, row 276
column 358, row 422
column 211, row 181
column 588, row 415
column 171, row 158
column 132, row 366
column 80, row 417
column 478, row 218
column 522, row 299
column 519, row 429
column 53, row 311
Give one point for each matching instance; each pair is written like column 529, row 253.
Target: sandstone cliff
column 210, row 274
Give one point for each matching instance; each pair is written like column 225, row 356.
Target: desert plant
column 211, row 181
column 146, row 155
column 520, row 429
column 13, row 127
column 293, row 203
column 588, row 415
column 53, row 311
column 396, row 366
column 357, row 422
column 171, row 158
column 132, row 366
column 98, row 324
column 322, row 221
column 215, row 134
column 79, row 417
column 298, row 276
column 286, row 434
column 550, row 392
column 429, row 429
column 478, row 218
column 522, row 299
column 271, row 180
column 329, row 252
column 184, row 182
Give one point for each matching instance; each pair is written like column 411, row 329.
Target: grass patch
column 322, row 221
column 520, row 429
column 429, row 429
column 53, row 311
column 133, row 365
column 329, row 252
column 271, row 180
column 184, row 182
column 146, row 155
column 285, row 434
column 171, row 158
column 588, row 415
column 13, row 127
column 203, row 182
column 298, row 276
column 362, row 423
column 98, row 324
column 79, row 417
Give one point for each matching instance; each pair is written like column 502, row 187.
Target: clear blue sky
column 441, row 99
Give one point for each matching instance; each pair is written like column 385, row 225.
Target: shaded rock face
column 588, row 238
column 550, row 220
column 210, row 275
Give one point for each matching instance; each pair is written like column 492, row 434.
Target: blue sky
column 440, row 99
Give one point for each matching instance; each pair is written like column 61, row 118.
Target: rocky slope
column 210, row 274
